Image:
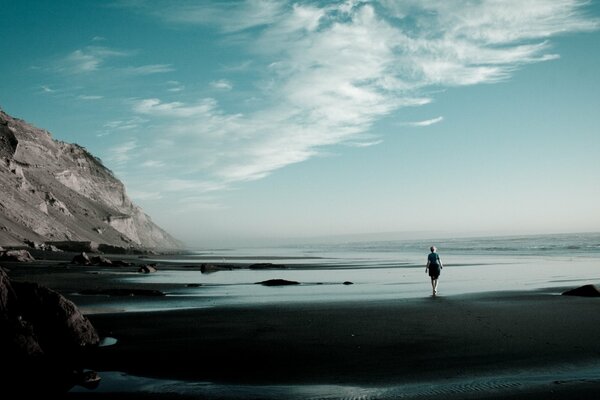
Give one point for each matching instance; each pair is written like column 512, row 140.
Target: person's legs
column 434, row 283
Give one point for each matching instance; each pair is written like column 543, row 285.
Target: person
column 434, row 267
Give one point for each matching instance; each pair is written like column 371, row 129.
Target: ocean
column 376, row 270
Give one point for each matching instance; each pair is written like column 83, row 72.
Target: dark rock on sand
column 81, row 259
column 277, row 282
column 102, row 261
column 348, row 283
column 266, row 266
column 207, row 268
column 193, row 285
column 16, row 255
column 43, row 338
column 147, row 269
column 57, row 322
column 583, row 291
column 123, row 292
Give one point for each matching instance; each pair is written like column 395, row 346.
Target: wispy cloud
column 222, row 84
column 149, row 69
column 227, row 16
column 426, row 122
column 327, row 73
column 121, row 153
column 89, row 59
column 175, row 86
column 90, row 97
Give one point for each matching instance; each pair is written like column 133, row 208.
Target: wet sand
column 513, row 345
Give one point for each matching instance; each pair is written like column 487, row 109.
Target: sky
column 235, row 122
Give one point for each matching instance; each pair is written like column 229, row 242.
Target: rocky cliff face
column 56, row 191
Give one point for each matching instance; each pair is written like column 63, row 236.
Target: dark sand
column 497, row 345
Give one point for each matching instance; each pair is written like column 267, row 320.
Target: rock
column 207, row 268
column 7, row 296
column 49, row 247
column 147, row 269
column 277, row 282
column 88, row 379
column 100, row 260
column 583, row 291
column 110, row 249
column 57, row 322
column 123, row 292
column 193, row 285
column 76, row 246
column 266, row 266
column 81, row 259
column 348, row 283
column 16, row 255
column 43, row 337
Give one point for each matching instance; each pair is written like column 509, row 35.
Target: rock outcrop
column 51, row 191
column 583, row 291
column 43, row 337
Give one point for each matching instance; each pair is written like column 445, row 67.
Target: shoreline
column 492, row 344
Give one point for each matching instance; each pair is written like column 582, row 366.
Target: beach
column 383, row 336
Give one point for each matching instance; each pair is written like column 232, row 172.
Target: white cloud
column 89, row 58
column 222, row 84
column 175, row 86
column 153, row 164
column 174, row 109
column 149, row 69
column 326, row 74
column 228, row 16
column 121, row 153
column 426, row 122
column 90, row 97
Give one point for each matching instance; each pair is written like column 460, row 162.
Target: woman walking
column 434, row 267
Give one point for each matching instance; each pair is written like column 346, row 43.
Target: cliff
column 55, row 191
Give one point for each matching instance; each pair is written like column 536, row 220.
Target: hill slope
column 56, row 191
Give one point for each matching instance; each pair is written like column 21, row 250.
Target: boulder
column 16, row 255
column 277, row 282
column 583, row 291
column 266, row 266
column 57, row 322
column 348, row 283
column 81, row 259
column 100, row 260
column 7, row 296
column 43, row 337
column 207, row 268
column 147, row 269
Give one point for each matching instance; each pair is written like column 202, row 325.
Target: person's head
column 433, row 249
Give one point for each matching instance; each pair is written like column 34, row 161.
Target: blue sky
column 236, row 121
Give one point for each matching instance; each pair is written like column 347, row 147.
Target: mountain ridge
column 54, row 191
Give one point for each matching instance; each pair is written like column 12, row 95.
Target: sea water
column 377, row 270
